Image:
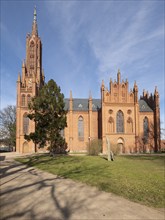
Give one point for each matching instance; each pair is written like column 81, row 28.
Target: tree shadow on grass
column 24, row 189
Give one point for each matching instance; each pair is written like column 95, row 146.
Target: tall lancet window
column 32, row 46
column 120, row 122
column 25, row 124
column 81, row 128
column 28, row 99
column 145, row 129
column 23, row 103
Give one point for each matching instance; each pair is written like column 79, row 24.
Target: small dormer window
column 93, row 105
column 143, row 107
column 80, row 106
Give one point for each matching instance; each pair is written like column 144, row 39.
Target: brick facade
column 28, row 84
column 131, row 124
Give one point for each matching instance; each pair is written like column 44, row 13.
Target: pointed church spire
column 34, row 26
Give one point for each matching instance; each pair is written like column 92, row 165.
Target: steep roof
column 83, row 104
column 144, row 107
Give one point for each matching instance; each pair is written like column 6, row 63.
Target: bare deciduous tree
column 8, row 125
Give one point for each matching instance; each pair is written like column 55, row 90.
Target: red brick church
column 131, row 124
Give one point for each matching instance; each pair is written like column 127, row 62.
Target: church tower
column 28, row 85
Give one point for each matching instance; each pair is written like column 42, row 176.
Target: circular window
column 129, row 111
column 110, row 111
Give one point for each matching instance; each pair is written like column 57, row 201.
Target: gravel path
column 28, row 193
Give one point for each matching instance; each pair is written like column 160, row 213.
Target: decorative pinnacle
column 70, row 94
column 118, row 76
column 90, row 95
column 19, row 77
column 156, row 91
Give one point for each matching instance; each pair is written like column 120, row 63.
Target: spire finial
column 35, row 14
column 34, row 26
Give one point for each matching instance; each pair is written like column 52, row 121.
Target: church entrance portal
column 120, row 145
column 25, row 147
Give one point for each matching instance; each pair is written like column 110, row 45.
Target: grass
column 138, row 178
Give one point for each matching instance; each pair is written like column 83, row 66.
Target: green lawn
column 138, row 178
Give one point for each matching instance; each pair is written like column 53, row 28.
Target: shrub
column 94, row 147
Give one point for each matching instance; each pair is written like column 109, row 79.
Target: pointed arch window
column 123, row 92
column 25, row 124
column 146, row 129
column 120, row 122
column 81, row 128
column 32, row 55
column 23, row 103
column 28, row 99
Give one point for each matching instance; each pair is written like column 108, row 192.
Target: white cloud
column 128, row 46
column 126, row 35
column 116, row 36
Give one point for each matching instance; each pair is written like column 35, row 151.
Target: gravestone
column 110, row 153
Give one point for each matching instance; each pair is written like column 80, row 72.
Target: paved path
column 28, row 193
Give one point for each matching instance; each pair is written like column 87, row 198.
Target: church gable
column 118, row 91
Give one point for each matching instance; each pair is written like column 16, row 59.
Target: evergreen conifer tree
column 48, row 112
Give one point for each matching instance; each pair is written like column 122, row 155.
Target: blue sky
column 85, row 42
